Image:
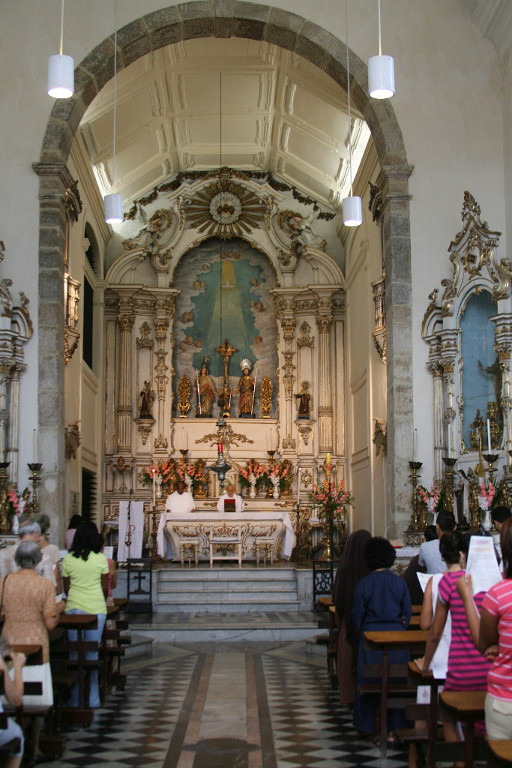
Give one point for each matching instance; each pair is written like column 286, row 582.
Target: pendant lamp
column 61, row 69
column 352, row 206
column 381, row 72
column 113, row 203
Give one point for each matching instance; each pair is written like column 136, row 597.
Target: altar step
column 227, row 590
column 264, row 626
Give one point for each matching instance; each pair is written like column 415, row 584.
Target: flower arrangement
column 429, row 497
column 172, row 470
column 331, row 500
column 165, row 469
column 486, row 495
column 16, row 501
column 255, row 469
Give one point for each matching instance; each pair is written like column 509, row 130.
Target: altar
column 253, row 525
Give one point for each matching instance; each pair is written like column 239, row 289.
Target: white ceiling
column 279, row 114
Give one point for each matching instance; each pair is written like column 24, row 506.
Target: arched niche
column 292, row 32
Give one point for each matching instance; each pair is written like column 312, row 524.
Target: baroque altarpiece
column 218, row 280
column 468, row 329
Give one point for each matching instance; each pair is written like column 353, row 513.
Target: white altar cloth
column 281, row 519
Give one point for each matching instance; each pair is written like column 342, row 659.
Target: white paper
column 108, row 552
column 482, row 564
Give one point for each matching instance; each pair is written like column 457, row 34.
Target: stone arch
column 215, row 18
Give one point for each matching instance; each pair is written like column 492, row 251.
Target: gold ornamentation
column 145, row 340
column 305, row 339
column 380, row 438
column 266, row 390
column 225, row 209
column 305, row 433
column 144, row 428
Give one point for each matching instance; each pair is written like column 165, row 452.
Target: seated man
column 233, row 499
column 180, row 502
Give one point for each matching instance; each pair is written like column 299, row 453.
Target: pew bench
column 500, row 753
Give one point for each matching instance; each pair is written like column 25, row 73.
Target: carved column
column 503, row 349
column 162, row 380
column 287, row 316
column 125, row 321
column 325, row 409
column 14, row 411
column 436, row 371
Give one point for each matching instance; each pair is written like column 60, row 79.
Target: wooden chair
column 227, row 539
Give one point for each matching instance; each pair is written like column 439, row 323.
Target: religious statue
column 155, row 236
column 304, row 401
column 246, row 389
column 146, row 399
column 496, row 371
column 299, row 229
column 224, row 401
column 205, row 391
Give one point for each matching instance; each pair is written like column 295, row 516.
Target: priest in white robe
column 230, row 495
column 180, row 502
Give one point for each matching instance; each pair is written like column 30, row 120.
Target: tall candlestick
column 154, row 487
column 298, row 484
column 414, row 444
column 489, row 435
column 34, row 447
column 449, row 442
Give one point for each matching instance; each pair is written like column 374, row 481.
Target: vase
column 486, row 518
column 275, row 492
column 252, row 491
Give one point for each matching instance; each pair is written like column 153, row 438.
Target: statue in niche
column 304, row 401
column 496, row 372
column 246, row 390
column 155, row 236
column 205, row 391
column 146, row 400
column 299, row 229
column 224, row 401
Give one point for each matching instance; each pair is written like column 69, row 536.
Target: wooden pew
column 500, row 754
column 468, row 707
column 390, row 640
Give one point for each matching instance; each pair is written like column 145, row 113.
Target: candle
column 489, row 435
column 154, row 487
column 34, row 447
column 449, row 443
column 219, row 447
column 298, row 484
column 328, row 459
column 414, row 444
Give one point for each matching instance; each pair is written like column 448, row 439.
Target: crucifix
column 226, row 350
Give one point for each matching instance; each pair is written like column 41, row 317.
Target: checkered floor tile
column 157, row 721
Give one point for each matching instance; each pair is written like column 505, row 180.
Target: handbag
column 38, row 673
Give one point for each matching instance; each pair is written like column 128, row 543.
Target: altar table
column 253, row 524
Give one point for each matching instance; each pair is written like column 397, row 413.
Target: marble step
column 228, row 627
column 252, row 575
column 228, row 585
column 141, row 645
column 220, row 603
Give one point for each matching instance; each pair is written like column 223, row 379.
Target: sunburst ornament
column 225, row 209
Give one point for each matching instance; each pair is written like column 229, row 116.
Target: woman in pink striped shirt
column 492, row 634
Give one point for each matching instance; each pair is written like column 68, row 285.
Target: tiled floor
column 226, row 705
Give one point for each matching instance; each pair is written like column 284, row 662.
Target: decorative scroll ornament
column 225, row 209
column 184, row 392
column 266, row 390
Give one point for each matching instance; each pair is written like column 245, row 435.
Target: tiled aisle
column 235, row 705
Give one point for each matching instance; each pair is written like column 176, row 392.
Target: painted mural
column 225, row 294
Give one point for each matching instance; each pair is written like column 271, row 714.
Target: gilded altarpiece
column 185, row 287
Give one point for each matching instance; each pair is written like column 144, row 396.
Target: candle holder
column 417, row 524
column 450, row 462
column 153, row 550
column 271, row 454
column 35, row 468
column 184, row 452
column 491, row 458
